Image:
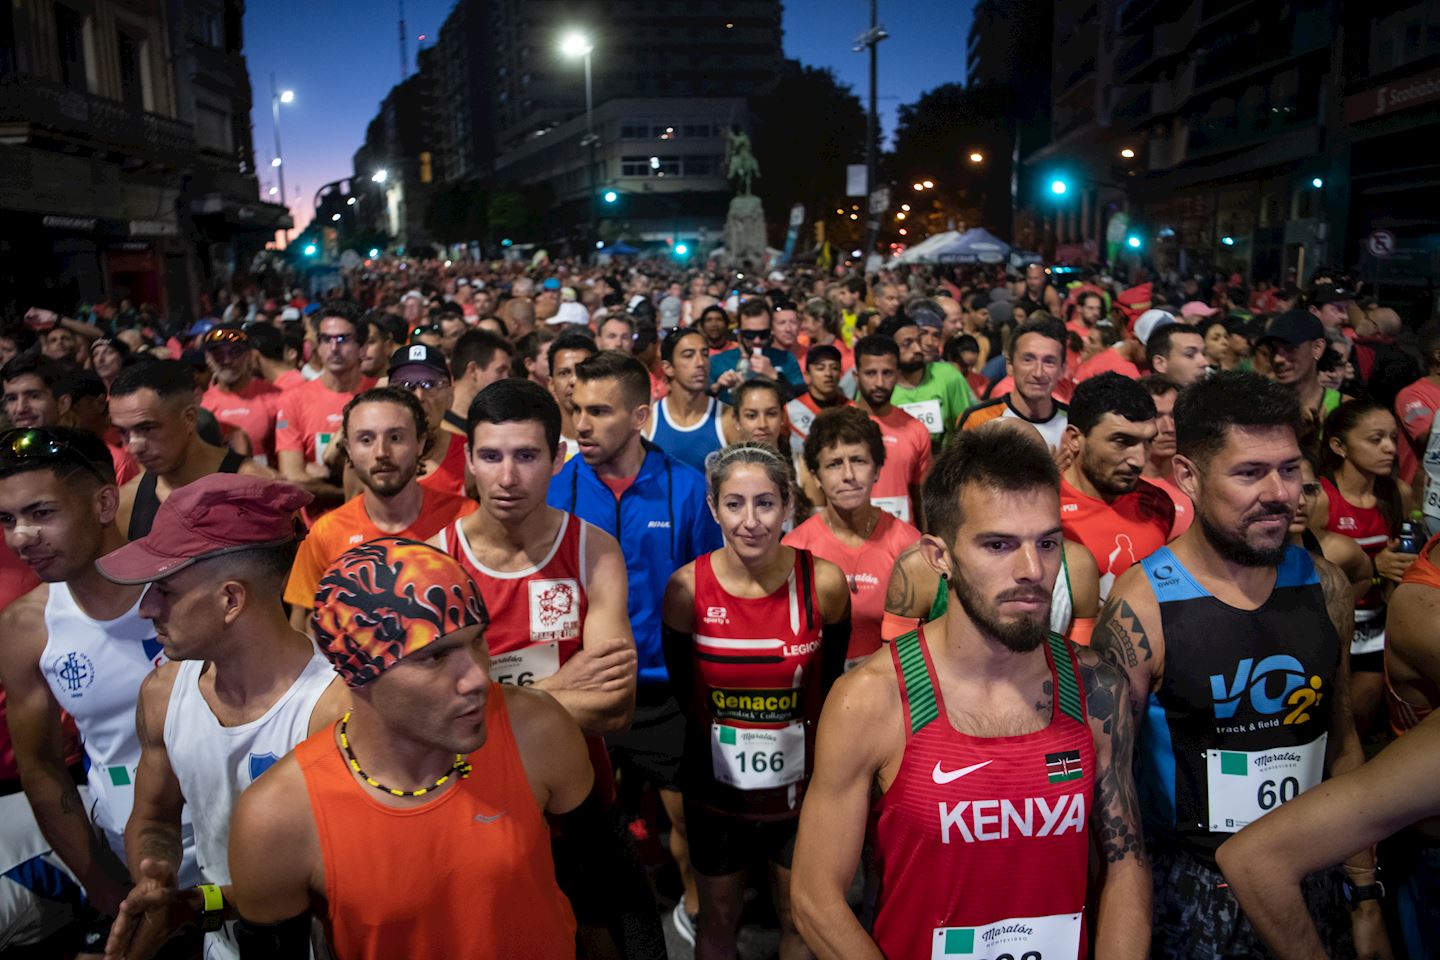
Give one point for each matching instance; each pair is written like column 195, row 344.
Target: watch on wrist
column 1356, row 895
column 212, row 913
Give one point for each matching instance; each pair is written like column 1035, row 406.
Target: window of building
column 132, row 85
column 70, row 45
column 634, row 166
column 208, row 27
column 698, row 166
column 1404, row 36
column 213, row 129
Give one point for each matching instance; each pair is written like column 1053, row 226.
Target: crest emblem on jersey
column 155, row 650
column 74, row 673
column 259, row 763
column 554, row 610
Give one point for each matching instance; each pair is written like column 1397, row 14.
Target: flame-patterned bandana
column 386, row 599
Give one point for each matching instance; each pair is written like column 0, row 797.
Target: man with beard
column 1038, row 732
column 384, row 434
column 36, row 395
column 422, row 370
column 715, row 325
column 238, row 397
column 152, row 406
column 387, row 331
column 933, row 393
column 1120, row 518
column 1231, row 639
column 1297, row 342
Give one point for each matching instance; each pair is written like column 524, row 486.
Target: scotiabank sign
column 1393, row 97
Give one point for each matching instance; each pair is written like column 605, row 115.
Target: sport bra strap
column 920, row 701
column 1067, row 687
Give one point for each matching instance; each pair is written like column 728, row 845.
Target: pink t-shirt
column 252, row 410
column 907, row 458
column 288, row 379
column 867, row 569
column 1415, row 408
column 311, row 414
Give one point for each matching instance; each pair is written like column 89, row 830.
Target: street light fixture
column 927, row 184
column 572, row 45
column 919, row 187
column 287, row 96
column 275, row 162
column 379, row 176
column 1128, row 153
column 977, row 157
column 277, row 98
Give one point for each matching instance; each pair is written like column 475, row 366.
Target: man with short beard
column 1231, row 638
column 384, row 434
column 1019, row 738
column 1120, row 518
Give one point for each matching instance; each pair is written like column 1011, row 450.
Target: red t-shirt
column 1184, row 508
column 1121, row 533
column 907, row 460
column 252, row 410
column 311, row 415
column 449, row 477
column 1415, row 408
column 867, row 569
column 1106, row 361
column 290, row 378
column 1064, row 388
column 617, row 485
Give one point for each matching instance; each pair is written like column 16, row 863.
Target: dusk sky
column 341, row 60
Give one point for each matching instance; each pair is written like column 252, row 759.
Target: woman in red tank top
column 754, row 634
column 1367, row 502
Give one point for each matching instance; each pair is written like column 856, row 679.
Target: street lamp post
column 277, row 98
column 578, row 45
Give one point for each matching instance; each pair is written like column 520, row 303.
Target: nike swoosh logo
column 481, row 818
column 943, row 776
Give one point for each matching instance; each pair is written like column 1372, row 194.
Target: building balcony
column 41, row 113
column 1132, row 53
column 1168, row 96
column 1131, row 106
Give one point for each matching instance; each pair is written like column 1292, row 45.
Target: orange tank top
column 467, row 875
column 1403, row 714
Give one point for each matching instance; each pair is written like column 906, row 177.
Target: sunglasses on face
column 337, row 339
column 434, row 384
column 754, row 334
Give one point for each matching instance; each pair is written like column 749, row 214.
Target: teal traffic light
column 610, row 196
column 310, row 250
column 681, row 249
column 1059, row 186
column 1133, row 242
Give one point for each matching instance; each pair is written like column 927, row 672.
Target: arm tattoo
column 900, row 594
column 1116, row 814
column 1120, row 636
column 1337, row 599
column 161, row 843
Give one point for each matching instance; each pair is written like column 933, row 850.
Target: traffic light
column 1059, row 186
column 610, row 196
column 1133, row 241
column 682, row 249
column 310, row 250
column 374, row 252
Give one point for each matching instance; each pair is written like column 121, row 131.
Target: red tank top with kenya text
column 983, row 842
column 757, row 679
column 536, row 614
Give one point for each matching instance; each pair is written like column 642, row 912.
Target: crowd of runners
column 545, row 610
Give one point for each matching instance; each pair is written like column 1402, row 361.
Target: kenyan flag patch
column 1063, row 766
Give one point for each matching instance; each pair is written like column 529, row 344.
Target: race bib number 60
column 757, row 758
column 1244, row 786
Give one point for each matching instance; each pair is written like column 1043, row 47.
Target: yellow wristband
column 214, row 899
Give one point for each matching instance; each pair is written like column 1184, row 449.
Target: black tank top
column 142, row 514
column 1242, row 707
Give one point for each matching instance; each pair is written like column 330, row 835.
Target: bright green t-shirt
column 936, row 401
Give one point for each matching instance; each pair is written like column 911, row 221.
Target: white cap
column 1148, row 321
column 570, row 312
column 289, row 313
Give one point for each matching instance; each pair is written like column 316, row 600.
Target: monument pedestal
column 745, row 232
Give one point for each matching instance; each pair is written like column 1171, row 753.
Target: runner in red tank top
column 994, row 746
column 754, row 635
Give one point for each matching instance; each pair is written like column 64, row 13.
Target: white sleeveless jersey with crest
column 95, row 668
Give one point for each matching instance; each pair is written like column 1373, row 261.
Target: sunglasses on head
column 225, row 337
column 26, row 444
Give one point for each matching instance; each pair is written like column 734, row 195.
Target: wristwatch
column 212, row 913
column 1356, row 895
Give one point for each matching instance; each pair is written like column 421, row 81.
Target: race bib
column 1244, row 786
column 1021, row 938
column 322, row 443
column 1369, row 632
column 927, row 412
column 757, row 759
column 897, row 507
column 521, row 668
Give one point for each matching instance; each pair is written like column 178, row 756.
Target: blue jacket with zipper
column 662, row 523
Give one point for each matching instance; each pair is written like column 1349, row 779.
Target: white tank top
column 95, row 668
column 214, row 764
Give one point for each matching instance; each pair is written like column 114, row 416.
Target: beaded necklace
column 461, row 766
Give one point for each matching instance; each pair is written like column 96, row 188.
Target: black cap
column 820, row 353
column 1330, row 293
column 1294, row 327
column 419, row 355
